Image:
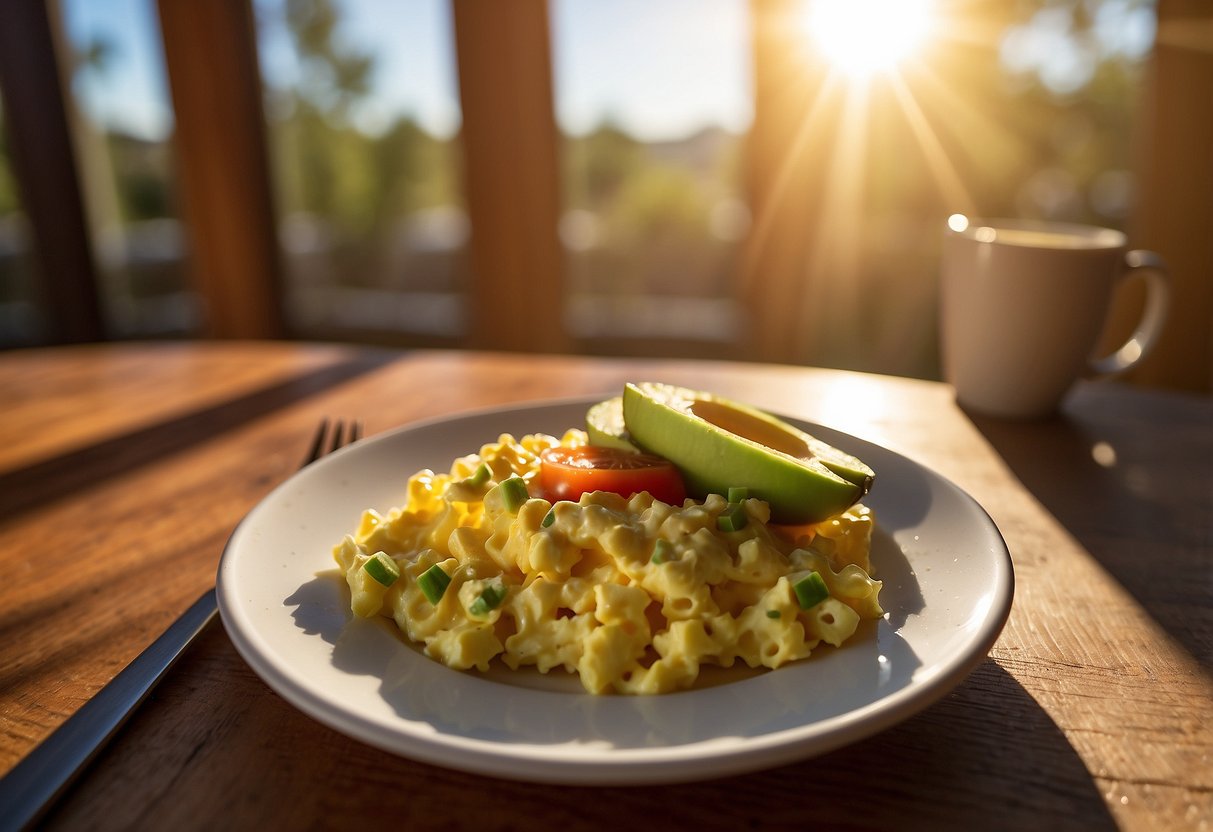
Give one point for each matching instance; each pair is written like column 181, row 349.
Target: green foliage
column 327, row 166
column 356, row 180
column 644, row 192
column 600, row 163
column 660, row 202
column 650, row 205
column 143, row 178
column 336, row 75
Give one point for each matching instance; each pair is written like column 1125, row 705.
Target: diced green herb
column 810, row 590
column 514, row 493
column 490, row 598
column 382, row 568
column 433, row 583
column 773, row 613
column 733, row 518
column 482, row 475
column 549, row 518
column 663, row 550
column 738, row 493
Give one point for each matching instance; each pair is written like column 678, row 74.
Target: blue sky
column 132, row 92
column 659, row 69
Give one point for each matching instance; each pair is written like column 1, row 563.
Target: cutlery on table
column 35, row 783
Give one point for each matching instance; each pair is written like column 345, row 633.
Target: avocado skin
column 712, row 459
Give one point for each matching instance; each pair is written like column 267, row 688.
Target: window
column 364, row 119
column 653, row 119
column 122, row 131
column 762, row 179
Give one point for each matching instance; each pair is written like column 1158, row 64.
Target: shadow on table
column 1140, row 506
column 60, row 477
column 986, row 751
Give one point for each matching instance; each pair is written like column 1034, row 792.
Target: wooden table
column 123, row 469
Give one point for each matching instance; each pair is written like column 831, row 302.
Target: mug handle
column 1151, row 267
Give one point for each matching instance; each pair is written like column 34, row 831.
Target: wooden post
column 1173, row 213
column 44, row 166
column 791, row 141
column 211, row 53
column 512, row 176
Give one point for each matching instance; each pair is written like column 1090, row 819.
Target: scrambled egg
column 633, row 595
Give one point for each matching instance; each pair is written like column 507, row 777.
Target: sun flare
column 865, row 37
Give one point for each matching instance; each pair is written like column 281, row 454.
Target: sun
column 862, row 38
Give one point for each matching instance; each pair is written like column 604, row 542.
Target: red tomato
column 567, row 473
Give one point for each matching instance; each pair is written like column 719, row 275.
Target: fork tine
column 317, row 449
column 326, row 441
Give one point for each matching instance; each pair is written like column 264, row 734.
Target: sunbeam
column 943, row 171
column 839, row 244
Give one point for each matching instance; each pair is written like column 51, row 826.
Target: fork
column 34, row 784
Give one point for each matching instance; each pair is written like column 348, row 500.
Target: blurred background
column 757, row 179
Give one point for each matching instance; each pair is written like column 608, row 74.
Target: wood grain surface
column 136, row 462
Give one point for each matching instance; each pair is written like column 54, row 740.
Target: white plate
column 948, row 585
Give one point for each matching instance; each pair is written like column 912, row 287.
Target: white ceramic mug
column 1023, row 304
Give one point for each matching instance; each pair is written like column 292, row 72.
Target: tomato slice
column 567, row 473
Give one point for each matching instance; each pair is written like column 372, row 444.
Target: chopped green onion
column 738, row 493
column 662, row 551
column 810, row 590
column 514, row 494
column 382, row 568
column 549, row 518
column 772, row 613
column 482, row 475
column 489, row 599
column 733, row 518
column 433, row 583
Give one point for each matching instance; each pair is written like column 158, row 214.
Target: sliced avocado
column 718, row 444
column 604, row 426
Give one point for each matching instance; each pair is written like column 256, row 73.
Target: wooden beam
column 211, row 53
column 44, row 165
column 785, row 176
column 1173, row 214
column 511, row 175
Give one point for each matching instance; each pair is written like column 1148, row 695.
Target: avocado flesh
column 778, row 435
column 717, row 443
column 605, row 428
